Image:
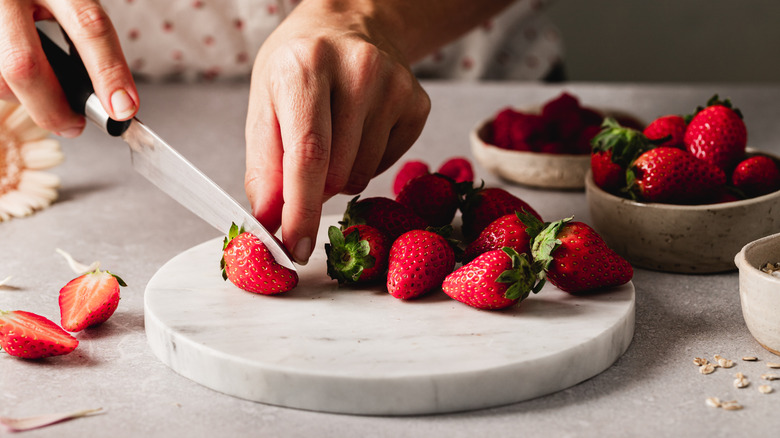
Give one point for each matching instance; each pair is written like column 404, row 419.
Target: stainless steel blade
column 166, row 168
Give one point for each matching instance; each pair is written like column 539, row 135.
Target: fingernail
column 123, row 105
column 302, row 251
column 70, row 133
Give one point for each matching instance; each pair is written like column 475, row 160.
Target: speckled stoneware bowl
column 690, row 239
column 759, row 292
column 535, row 169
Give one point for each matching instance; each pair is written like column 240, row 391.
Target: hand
column 332, row 104
column 25, row 74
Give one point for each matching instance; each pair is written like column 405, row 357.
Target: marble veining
column 360, row 351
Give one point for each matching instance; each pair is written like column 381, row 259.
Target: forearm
column 414, row 27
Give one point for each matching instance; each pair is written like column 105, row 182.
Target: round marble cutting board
column 360, row 351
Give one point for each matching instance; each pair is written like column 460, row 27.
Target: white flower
column 25, row 150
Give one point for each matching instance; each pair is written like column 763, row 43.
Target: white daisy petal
column 41, row 178
column 22, row 126
column 48, row 193
column 42, row 154
column 11, row 204
column 78, row 267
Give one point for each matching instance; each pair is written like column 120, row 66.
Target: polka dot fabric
column 210, row 40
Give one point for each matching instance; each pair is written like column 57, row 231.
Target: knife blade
column 155, row 159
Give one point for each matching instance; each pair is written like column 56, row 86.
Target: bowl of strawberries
column 546, row 146
column 686, row 193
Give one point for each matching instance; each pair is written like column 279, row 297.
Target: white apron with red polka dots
column 218, row 39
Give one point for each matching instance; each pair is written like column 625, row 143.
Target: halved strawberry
column 89, row 300
column 32, row 336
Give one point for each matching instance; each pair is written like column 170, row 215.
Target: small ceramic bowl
column 690, row 239
column 759, row 292
column 535, row 169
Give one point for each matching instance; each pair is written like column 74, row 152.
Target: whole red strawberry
column 496, row 279
column 433, row 197
column 458, row 169
column 575, row 258
column 31, row 336
column 507, row 231
column 409, row 170
column 419, row 260
column 675, row 176
column 614, row 148
column 386, row 215
column 249, row 265
column 482, row 206
column 669, row 127
column 89, row 300
column 357, row 255
column 756, row 176
column 717, row 134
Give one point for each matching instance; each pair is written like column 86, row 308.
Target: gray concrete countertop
column 109, row 213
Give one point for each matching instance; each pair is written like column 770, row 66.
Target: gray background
column 670, row 40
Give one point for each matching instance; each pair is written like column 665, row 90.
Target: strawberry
column 482, row 206
column 614, row 148
column 756, row 176
column 250, row 265
column 496, row 279
column 506, row 231
column 717, row 134
column 433, row 197
column 574, row 257
column 675, row 176
column 409, row 170
column 31, row 336
column 419, row 260
column 386, row 215
column 89, row 300
column 458, row 169
column 670, row 128
column 356, row 255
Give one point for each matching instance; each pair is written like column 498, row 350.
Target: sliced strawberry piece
column 89, row 300
column 31, row 336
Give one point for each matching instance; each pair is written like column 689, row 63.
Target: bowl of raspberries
column 684, row 194
column 546, row 146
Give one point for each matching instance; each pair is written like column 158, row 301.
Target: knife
column 155, row 159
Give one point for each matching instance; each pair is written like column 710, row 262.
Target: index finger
column 90, row 29
column 305, row 124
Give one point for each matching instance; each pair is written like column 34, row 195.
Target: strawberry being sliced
column 496, row 279
column 249, row 265
column 89, row 300
column 31, row 336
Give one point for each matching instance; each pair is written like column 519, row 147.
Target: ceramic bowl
column 535, row 169
column 688, row 239
column 759, row 292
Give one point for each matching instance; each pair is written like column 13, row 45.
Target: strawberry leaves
column 522, row 277
column 347, row 255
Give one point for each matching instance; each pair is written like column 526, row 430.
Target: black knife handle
column 75, row 82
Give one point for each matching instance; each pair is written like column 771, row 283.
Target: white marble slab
column 361, row 351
